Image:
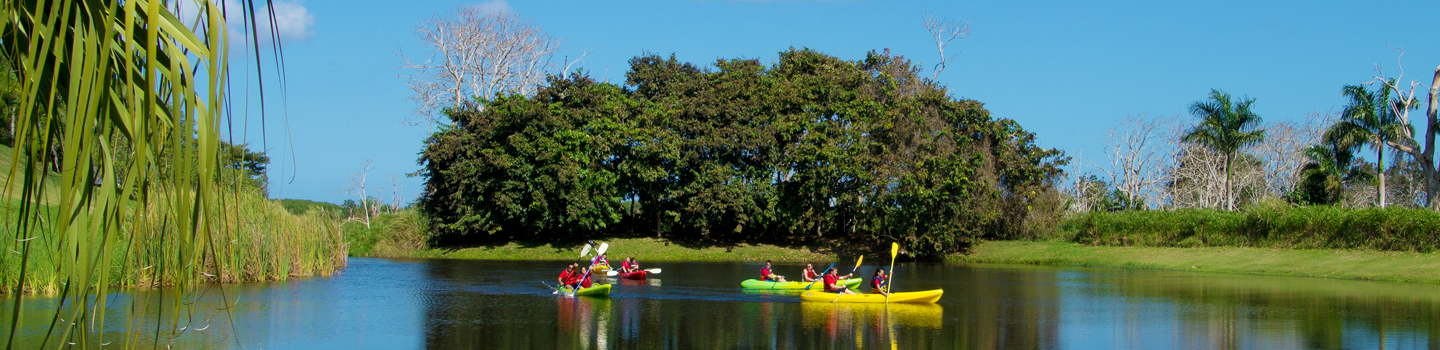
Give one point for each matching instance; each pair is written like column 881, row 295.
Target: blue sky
column 1064, row 70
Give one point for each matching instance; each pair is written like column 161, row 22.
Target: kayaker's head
column 810, row 267
column 879, row 272
column 767, row 263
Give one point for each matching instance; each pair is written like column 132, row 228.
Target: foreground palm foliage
column 120, row 103
column 811, row 148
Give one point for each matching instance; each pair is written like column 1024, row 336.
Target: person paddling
column 834, row 284
column 566, row 274
column 766, row 274
column 809, row 274
column 877, row 283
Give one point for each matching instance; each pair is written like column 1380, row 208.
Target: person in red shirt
column 877, row 283
column 833, row 284
column 565, row 275
column 809, row 274
column 766, row 274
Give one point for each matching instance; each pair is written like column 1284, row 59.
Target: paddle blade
column 652, row 270
column 858, row 261
column 585, row 250
column 894, row 250
column 603, row 247
column 612, row 273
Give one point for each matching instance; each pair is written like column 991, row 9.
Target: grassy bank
column 1349, row 264
column 644, row 249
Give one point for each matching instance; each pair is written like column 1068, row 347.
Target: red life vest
column 625, row 266
column 829, row 281
column 765, row 274
column 810, row 275
column 565, row 275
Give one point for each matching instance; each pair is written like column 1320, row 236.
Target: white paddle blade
column 612, row 273
column 603, row 247
column 652, row 271
column 585, row 250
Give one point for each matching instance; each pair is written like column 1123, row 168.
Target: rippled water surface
column 382, row 303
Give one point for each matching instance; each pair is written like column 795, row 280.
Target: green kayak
column 758, row 284
column 598, row 290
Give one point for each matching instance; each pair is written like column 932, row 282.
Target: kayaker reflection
column 768, row 275
column 833, row 283
column 877, row 283
column 810, row 275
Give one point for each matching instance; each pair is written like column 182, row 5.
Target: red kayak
column 635, row 275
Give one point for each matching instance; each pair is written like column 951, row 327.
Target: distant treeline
column 811, row 148
column 1269, row 225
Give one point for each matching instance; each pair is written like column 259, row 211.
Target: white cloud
column 496, row 5
column 294, row 23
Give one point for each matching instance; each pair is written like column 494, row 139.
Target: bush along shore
column 1395, row 244
column 1264, row 226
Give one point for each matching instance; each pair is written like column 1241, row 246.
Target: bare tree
column 1136, row 153
column 477, row 51
column 1195, row 176
column 357, row 187
column 396, row 193
column 1282, row 153
column 1404, row 101
column 944, row 31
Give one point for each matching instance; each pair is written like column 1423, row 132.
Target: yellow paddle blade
column 858, row 261
column 894, row 249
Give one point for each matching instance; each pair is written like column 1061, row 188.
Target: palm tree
column 1225, row 127
column 1369, row 120
column 1324, row 176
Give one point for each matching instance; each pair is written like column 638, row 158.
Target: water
column 397, row 304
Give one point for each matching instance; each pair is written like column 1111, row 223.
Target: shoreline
column 1323, row 263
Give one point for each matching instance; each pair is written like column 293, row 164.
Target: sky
column 1065, row 70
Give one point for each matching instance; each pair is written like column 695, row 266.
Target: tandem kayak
column 928, row 296
column 633, row 275
column 598, row 290
column 758, row 284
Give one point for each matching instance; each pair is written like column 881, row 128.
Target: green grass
column 644, row 249
column 1347, row 264
column 1275, row 225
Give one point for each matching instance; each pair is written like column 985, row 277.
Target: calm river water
column 443, row 304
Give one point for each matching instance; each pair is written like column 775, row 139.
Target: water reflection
column 477, row 304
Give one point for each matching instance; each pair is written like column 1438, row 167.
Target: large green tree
column 811, row 148
column 1226, row 126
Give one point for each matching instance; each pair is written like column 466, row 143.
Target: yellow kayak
column 928, row 296
column 601, row 268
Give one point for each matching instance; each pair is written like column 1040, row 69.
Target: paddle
column 894, row 250
column 598, row 252
column 822, row 277
column 852, row 271
column 583, row 252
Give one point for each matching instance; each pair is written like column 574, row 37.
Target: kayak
column 633, row 275
column 928, row 296
column 758, row 284
column 601, row 268
column 598, row 290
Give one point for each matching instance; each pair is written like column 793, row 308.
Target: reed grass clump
column 1265, row 226
column 254, row 239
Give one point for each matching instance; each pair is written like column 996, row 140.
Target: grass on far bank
column 1347, row 264
column 644, row 249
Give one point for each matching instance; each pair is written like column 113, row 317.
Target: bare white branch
column 944, row 31
column 476, row 52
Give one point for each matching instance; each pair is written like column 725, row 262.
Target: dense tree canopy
column 812, row 147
